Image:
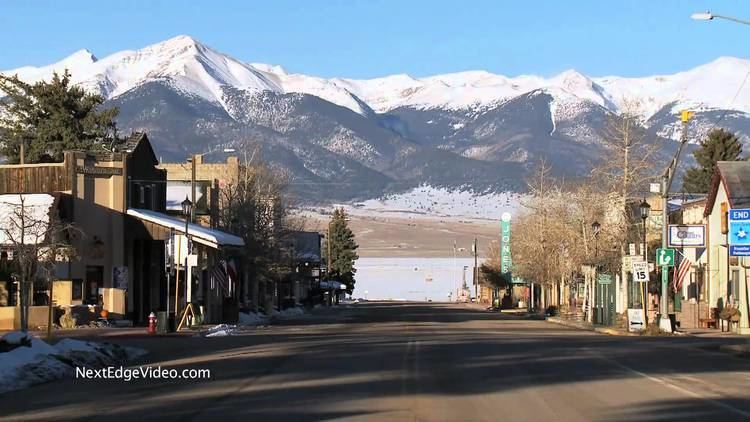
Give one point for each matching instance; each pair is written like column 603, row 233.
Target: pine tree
column 343, row 249
column 48, row 118
column 719, row 145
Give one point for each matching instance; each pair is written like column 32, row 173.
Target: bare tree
column 38, row 239
column 628, row 162
column 256, row 208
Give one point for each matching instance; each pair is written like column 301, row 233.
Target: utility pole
column 666, row 183
column 328, row 254
column 476, row 269
column 192, row 189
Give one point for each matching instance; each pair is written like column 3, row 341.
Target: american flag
column 680, row 271
column 219, row 275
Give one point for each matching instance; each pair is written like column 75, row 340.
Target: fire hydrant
column 152, row 323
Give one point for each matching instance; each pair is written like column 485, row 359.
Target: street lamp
column 645, row 209
column 708, row 16
column 187, row 209
column 596, row 227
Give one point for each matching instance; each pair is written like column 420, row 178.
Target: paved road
column 407, row 362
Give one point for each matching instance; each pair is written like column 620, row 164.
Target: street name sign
column 640, row 271
column 739, row 232
column 687, row 236
column 665, row 257
column 604, row 279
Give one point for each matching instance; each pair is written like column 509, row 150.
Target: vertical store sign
column 505, row 260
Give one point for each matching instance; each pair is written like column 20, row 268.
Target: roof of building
column 735, row 175
column 205, row 235
column 134, row 141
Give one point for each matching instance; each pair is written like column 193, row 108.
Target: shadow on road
column 382, row 351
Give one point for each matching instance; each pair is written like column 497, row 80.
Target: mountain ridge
column 465, row 90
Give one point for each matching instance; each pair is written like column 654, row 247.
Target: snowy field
column 414, row 279
column 440, row 202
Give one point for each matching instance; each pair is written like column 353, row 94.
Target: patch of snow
column 221, row 330
column 441, row 202
column 288, row 313
column 40, row 362
column 251, row 318
column 14, row 337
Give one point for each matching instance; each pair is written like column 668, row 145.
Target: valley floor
column 380, row 235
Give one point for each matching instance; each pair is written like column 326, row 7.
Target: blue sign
column 739, row 215
column 739, row 250
column 739, row 232
column 739, row 229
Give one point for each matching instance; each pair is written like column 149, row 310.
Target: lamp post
column 187, row 209
column 708, row 16
column 595, row 229
column 645, row 209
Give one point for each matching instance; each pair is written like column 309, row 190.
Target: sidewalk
column 612, row 331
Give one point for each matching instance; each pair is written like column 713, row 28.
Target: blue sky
column 369, row 38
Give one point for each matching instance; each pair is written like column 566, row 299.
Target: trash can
column 162, row 322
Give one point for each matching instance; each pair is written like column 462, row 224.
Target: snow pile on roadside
column 251, row 318
column 33, row 361
column 221, row 330
column 288, row 313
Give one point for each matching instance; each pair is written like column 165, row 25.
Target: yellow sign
column 686, row 115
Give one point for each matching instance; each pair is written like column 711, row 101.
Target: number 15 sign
column 640, row 271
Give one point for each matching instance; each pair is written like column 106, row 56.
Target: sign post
column 506, row 262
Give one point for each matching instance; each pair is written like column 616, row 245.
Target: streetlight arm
column 729, row 18
column 707, row 16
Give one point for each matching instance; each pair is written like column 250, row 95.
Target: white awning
column 200, row 234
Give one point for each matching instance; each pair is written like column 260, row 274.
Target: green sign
column 665, row 257
column 506, row 263
column 604, row 279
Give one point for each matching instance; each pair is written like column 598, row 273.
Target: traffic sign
column 739, row 232
column 739, row 250
column 640, row 271
column 635, row 320
column 665, row 257
column 604, row 279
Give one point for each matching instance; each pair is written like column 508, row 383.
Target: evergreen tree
column 48, row 118
column 343, row 249
column 719, row 145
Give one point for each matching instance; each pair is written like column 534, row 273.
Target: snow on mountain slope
column 709, row 86
column 197, row 69
column 189, row 66
column 431, row 201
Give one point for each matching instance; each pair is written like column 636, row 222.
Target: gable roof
column 735, row 175
column 134, row 142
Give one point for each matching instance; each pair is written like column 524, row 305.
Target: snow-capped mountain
column 468, row 129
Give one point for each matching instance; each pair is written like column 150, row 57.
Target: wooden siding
column 36, row 178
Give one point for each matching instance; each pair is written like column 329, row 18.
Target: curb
column 600, row 330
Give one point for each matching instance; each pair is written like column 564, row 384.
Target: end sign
column 739, row 232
